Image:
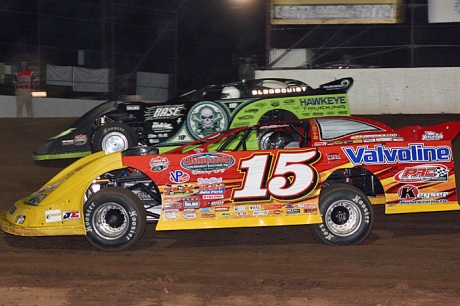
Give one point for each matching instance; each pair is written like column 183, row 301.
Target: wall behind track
column 389, row 90
column 48, row 107
column 374, row 92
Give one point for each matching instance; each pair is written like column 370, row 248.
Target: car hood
column 75, row 141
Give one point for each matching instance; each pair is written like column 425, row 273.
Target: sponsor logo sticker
column 380, row 154
column 410, row 194
column 423, row 173
column 178, row 189
column 158, row 164
column 207, row 163
column 178, row 176
column 429, row 135
column 163, row 112
column 53, row 215
column 71, row 215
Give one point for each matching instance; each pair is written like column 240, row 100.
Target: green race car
column 115, row 126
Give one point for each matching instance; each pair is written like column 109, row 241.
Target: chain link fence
column 121, row 35
column 411, row 43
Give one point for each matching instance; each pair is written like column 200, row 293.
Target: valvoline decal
column 207, row 162
column 411, row 154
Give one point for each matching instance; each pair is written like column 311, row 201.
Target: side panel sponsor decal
column 414, row 153
column 423, row 174
column 207, row 162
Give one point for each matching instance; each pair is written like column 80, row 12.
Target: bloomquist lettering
column 271, row 91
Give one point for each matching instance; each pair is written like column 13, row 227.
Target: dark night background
column 211, row 33
column 199, row 42
column 198, row 39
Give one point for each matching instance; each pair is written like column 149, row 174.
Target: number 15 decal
column 290, row 177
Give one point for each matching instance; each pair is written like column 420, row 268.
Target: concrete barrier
column 375, row 92
column 48, row 107
column 389, row 90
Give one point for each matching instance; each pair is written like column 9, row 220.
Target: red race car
column 325, row 172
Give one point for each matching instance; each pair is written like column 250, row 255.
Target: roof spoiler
column 338, row 86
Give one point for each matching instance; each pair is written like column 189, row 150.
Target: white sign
column 443, row 11
column 334, row 12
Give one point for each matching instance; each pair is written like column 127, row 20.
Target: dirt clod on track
column 410, row 259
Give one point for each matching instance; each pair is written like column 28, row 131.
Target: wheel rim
column 111, row 221
column 114, row 142
column 343, row 218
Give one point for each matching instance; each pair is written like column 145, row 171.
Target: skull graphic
column 207, row 116
column 207, row 121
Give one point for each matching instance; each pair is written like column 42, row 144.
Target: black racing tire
column 347, row 215
column 114, row 137
column 115, row 219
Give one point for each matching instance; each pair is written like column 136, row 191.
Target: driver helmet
column 230, row 92
column 279, row 140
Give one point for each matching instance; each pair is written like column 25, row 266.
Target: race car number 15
column 290, row 176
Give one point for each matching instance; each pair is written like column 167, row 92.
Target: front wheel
column 115, row 219
column 114, row 137
column 347, row 216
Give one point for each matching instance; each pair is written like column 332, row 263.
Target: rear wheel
column 115, row 219
column 114, row 137
column 347, row 216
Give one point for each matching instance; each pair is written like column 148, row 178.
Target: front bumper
column 54, row 230
column 61, row 147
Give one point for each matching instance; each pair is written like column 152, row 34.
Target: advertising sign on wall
column 443, row 11
column 335, row 12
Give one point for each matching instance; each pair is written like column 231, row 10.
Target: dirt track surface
column 410, row 259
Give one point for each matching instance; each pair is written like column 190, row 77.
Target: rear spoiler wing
column 443, row 131
column 338, row 86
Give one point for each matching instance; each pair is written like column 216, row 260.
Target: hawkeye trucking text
column 323, row 100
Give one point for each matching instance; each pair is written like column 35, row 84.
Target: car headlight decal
column 35, row 201
column 12, row 210
column 20, row 219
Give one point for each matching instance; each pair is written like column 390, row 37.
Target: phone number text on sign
column 335, row 13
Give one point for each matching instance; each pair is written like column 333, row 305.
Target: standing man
column 24, row 82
